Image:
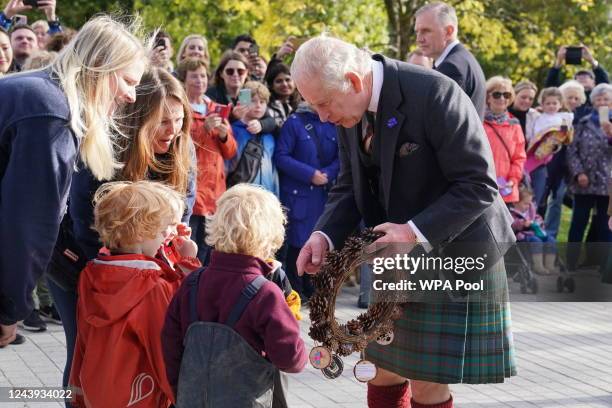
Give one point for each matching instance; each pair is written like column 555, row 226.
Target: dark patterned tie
column 368, row 135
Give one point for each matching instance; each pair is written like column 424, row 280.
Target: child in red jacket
column 123, row 297
column 247, row 228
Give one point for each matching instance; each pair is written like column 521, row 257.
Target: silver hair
column 328, row 59
column 445, row 14
column 573, row 85
column 601, row 89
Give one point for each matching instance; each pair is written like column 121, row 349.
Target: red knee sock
column 394, row 396
column 447, row 404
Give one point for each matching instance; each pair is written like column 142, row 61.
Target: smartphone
column 244, row 97
column 33, row 3
column 20, row 19
column 254, row 50
column 573, row 55
column 298, row 41
column 161, row 42
column 604, row 114
column 223, row 111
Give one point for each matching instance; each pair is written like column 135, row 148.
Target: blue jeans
column 66, row 303
column 538, row 184
column 553, row 211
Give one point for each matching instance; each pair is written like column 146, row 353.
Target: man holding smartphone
column 587, row 78
column 161, row 55
column 14, row 7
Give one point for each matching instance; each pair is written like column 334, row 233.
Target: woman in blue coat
column 306, row 157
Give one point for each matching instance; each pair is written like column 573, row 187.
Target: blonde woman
column 157, row 146
column 193, row 46
column 56, row 115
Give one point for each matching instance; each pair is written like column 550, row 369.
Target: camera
column 254, row 50
column 33, row 3
column 573, row 55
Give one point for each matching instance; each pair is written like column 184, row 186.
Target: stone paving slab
column 564, row 353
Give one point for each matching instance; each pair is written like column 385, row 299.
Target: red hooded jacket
column 118, row 358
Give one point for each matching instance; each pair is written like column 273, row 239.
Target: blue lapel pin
column 391, row 122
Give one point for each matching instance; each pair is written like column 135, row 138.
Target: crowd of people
column 142, row 168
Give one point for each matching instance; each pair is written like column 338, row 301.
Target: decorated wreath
column 344, row 339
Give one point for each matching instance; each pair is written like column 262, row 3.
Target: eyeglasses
column 232, row 71
column 497, row 95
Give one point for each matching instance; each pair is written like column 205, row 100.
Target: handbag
column 68, row 259
column 248, row 164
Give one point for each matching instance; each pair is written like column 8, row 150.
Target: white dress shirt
column 444, row 54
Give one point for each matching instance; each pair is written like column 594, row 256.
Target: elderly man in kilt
column 416, row 164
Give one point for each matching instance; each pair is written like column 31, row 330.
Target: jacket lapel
column 389, row 122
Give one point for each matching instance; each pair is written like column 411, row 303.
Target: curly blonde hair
column 249, row 220
column 127, row 213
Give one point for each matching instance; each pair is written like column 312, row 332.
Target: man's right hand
column 15, row 7
column 312, row 254
column 561, row 56
column 7, row 334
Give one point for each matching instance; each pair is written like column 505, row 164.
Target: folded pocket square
column 408, row 148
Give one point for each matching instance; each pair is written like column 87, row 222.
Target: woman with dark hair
column 284, row 97
column 230, row 75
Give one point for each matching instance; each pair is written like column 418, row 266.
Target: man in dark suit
column 436, row 30
column 424, row 175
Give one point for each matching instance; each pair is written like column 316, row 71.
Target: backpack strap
column 194, row 284
column 248, row 293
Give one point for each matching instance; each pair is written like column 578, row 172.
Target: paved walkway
column 564, row 359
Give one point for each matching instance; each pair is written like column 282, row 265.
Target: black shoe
column 50, row 314
column 19, row 339
column 34, row 323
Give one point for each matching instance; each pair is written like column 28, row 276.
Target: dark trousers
column 301, row 284
column 583, row 204
column 66, row 303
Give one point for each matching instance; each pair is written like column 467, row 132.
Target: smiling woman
column 6, row 52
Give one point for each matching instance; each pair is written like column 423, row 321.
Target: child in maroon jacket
column 247, row 228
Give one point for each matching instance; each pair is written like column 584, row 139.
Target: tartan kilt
column 455, row 342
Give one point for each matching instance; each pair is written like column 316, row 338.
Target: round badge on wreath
column 334, row 339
